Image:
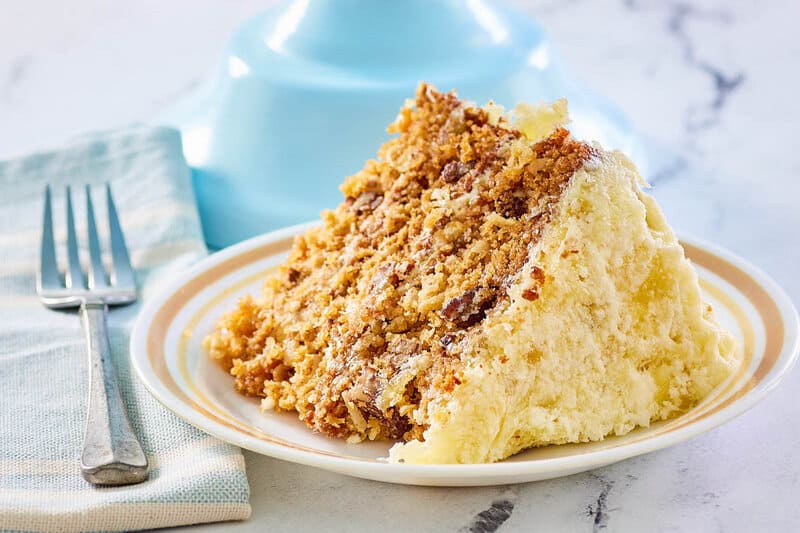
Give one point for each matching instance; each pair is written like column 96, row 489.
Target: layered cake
column 489, row 284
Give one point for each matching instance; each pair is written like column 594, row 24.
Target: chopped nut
column 469, row 308
column 366, row 202
column 453, row 171
column 530, row 294
column 537, row 274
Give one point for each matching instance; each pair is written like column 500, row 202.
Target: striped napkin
column 43, row 364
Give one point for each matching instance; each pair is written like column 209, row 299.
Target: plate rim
column 457, row 474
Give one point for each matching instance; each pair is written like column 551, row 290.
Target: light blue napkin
column 43, row 364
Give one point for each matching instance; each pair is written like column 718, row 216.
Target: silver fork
column 111, row 452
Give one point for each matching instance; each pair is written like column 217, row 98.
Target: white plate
column 168, row 356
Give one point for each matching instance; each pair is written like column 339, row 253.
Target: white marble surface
column 714, row 83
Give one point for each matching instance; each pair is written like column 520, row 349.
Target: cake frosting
column 489, row 284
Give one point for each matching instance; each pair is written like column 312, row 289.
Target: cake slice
column 485, row 287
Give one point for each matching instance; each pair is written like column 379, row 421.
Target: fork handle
column 111, row 453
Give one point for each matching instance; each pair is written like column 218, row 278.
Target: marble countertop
column 712, row 84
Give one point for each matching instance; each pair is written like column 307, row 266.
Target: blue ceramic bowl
column 304, row 93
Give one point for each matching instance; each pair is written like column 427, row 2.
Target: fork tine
column 74, row 273
column 97, row 274
column 48, row 268
column 122, row 274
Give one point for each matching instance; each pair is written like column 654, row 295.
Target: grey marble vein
column 679, row 14
column 673, row 169
column 490, row 519
column 599, row 510
column 16, row 73
column 723, row 85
